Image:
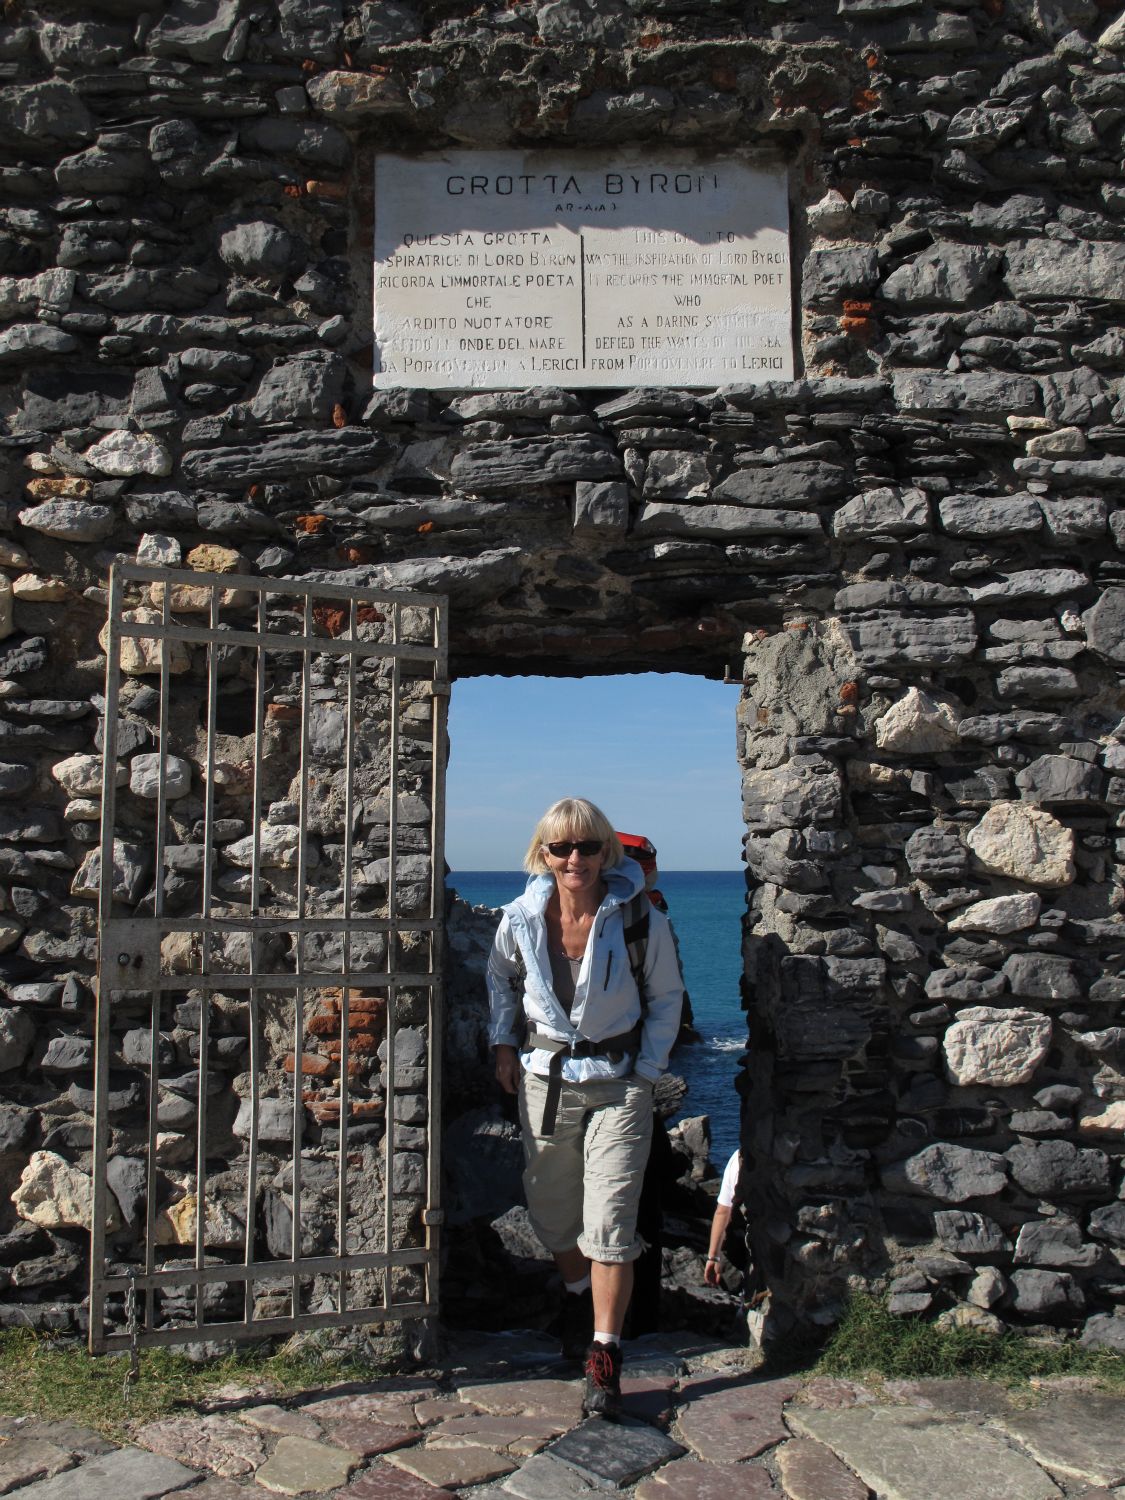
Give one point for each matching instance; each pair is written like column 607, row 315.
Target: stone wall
column 912, row 554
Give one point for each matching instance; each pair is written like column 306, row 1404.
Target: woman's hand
column 711, row 1271
column 508, row 1069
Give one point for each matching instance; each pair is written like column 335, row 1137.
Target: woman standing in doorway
column 585, row 994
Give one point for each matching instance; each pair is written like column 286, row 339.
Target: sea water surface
column 706, row 908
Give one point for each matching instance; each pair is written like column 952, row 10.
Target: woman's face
column 574, row 870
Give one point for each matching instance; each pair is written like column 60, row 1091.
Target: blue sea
column 706, row 908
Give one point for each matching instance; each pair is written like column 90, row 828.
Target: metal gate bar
column 131, row 957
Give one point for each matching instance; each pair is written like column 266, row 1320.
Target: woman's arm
column 503, row 973
column 719, row 1226
column 664, row 992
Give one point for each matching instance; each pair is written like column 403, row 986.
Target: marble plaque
column 502, row 269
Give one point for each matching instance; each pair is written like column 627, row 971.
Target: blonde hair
column 572, row 818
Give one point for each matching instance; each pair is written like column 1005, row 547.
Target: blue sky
column 655, row 751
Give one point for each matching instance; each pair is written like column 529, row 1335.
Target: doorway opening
column 656, row 751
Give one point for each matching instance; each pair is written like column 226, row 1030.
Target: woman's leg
column 613, row 1286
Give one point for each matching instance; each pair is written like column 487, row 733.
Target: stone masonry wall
column 912, row 554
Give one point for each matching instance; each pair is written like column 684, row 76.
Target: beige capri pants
column 583, row 1183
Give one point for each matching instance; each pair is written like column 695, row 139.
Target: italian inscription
column 498, row 269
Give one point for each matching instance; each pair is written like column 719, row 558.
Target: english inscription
column 502, row 269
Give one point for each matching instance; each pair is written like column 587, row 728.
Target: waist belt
column 612, row 1048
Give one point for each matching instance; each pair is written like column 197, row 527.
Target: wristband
column 713, row 1258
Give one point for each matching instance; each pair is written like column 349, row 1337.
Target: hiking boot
column 576, row 1323
column 603, row 1381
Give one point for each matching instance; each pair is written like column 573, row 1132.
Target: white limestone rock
column 56, row 1195
column 223, row 1229
column 1113, row 37
column 1104, row 1119
column 17, row 1029
column 279, row 847
column 36, row 589
column 140, row 655
column 81, row 775
column 144, row 776
column 1024, row 842
column 124, row 454
column 919, row 723
column 1001, row 914
column 994, row 1046
column 159, row 551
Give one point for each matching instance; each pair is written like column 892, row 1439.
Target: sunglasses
column 563, row 848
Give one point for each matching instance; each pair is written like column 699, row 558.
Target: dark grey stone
column 1059, row 1169
column 936, row 854
column 1104, row 1331
column 199, row 30
column 15, row 778
column 126, row 1176
column 977, row 392
column 1018, row 724
column 284, row 457
column 966, row 1233
column 1040, row 976
column 1046, row 1294
column 614, row 1454
column 69, row 1054
column 259, row 248
column 800, row 485
column 304, row 388
column 497, row 468
column 1061, row 778
column 846, row 272
column 1108, row 1223
column 883, row 638
column 943, row 275
column 17, row 1128
column 1105, row 625
column 51, row 111
column 1055, row 1242
column 129, row 1473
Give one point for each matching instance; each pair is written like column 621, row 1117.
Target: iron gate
column 269, row 998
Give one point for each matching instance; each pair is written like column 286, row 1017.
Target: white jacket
column 606, row 1002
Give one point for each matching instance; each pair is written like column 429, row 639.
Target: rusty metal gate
column 269, row 998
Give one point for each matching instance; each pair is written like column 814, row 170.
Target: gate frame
column 134, row 944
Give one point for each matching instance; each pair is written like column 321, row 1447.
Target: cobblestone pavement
column 500, row 1417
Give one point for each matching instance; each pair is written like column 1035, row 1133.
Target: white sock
column 576, row 1288
column 606, row 1338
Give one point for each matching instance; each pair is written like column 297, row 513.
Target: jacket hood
column 623, row 882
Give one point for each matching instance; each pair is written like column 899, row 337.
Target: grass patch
column 869, row 1341
column 58, row 1380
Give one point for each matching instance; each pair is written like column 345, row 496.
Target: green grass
column 869, row 1341
column 58, row 1380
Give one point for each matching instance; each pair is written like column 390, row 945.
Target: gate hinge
column 432, row 1217
column 130, row 954
column 440, row 689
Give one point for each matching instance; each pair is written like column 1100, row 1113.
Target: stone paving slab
column 810, row 1471
column 369, row 1438
column 281, row 1421
column 123, row 1474
column 216, row 1489
column 220, row 1444
column 81, row 1441
column 298, row 1466
column 23, row 1459
column 545, row 1478
column 689, row 1479
column 520, row 1435
column 440, row 1407
column 648, row 1400
column 452, row 1468
column 382, row 1482
column 963, row 1395
column 904, row 1454
column 727, row 1422
column 1080, row 1436
column 614, row 1454
column 538, row 1398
